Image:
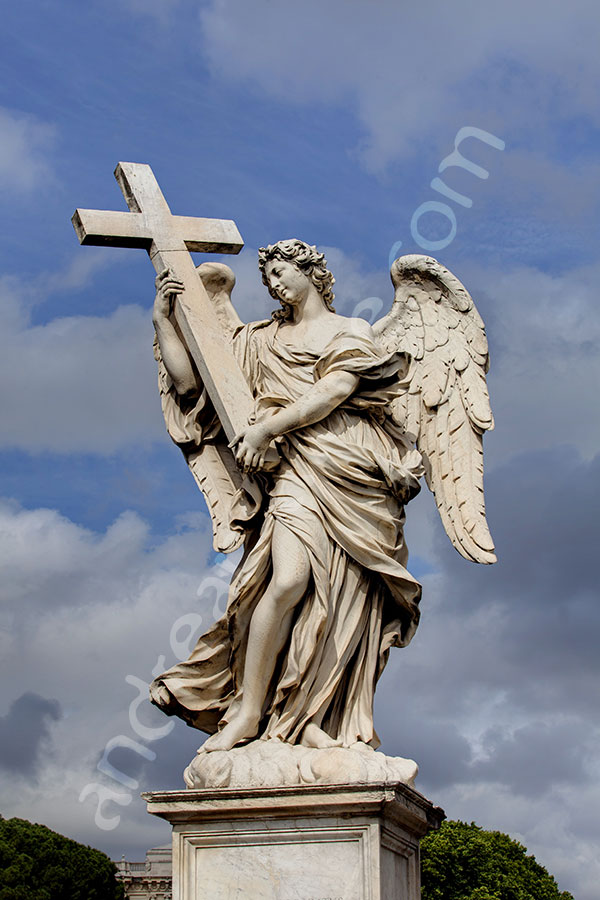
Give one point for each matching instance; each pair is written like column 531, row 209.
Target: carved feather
column 447, row 406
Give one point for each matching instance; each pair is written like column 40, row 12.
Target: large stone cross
column 169, row 240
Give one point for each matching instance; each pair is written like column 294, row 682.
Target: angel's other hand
column 250, row 447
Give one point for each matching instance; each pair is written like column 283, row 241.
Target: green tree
column 39, row 864
column 464, row 862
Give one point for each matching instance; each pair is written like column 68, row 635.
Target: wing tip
column 477, row 554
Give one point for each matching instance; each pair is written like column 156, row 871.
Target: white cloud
column 545, row 331
column 427, row 59
column 77, row 383
column 80, row 384
column 25, row 148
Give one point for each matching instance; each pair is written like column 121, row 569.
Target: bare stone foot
column 362, row 747
column 315, row 737
column 240, row 729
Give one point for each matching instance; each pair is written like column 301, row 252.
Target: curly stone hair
column 308, row 260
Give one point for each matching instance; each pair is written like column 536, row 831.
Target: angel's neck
column 310, row 310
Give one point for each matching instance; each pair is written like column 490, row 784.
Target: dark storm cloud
column 173, row 754
column 544, row 590
column 500, row 685
column 24, row 730
column 442, row 753
column 537, row 757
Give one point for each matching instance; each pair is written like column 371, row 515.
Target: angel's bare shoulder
column 355, row 325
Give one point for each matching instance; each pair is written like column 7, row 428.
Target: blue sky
column 326, row 122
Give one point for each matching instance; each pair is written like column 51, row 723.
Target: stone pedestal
column 310, row 842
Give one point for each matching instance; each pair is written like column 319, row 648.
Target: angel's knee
column 289, row 583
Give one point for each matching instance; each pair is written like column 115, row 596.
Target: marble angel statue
column 357, row 414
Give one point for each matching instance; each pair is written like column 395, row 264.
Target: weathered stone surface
column 353, row 842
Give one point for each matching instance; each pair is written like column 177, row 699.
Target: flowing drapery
column 341, row 488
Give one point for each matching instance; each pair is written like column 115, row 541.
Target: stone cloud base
column 310, row 842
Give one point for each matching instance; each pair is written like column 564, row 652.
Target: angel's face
column 288, row 282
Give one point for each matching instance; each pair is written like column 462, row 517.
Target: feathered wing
column 447, row 408
column 194, row 426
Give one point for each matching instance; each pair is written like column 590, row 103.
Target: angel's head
column 283, row 267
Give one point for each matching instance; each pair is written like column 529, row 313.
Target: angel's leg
column 268, row 632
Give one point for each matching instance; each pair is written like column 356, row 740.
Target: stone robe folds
column 341, row 488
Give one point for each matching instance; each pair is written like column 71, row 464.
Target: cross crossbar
column 169, row 239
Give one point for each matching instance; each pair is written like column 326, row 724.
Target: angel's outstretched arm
column 318, row 401
column 174, row 354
